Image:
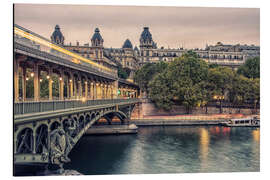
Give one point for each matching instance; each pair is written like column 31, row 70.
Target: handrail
column 21, row 108
column 45, row 42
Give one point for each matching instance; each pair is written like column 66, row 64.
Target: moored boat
column 248, row 122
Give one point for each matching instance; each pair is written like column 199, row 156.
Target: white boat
column 249, row 122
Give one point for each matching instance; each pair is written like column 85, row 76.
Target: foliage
column 213, row 65
column 161, row 92
column 181, row 83
column 145, row 74
column 251, row 68
column 122, row 73
column 220, row 80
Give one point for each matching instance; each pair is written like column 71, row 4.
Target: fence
column 43, row 106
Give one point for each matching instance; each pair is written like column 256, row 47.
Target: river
column 169, row 149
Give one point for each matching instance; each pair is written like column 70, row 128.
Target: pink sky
column 170, row 26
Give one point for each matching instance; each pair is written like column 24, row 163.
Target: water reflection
column 171, row 149
column 204, row 143
column 256, row 135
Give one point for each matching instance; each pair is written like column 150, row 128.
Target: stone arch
column 87, row 118
column 41, row 139
column 93, row 115
column 54, row 125
column 25, row 141
column 81, row 122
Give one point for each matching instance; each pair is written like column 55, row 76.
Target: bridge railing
column 44, row 106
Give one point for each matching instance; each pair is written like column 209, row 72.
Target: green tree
column 146, row 73
column 122, row 73
column 251, row 68
column 160, row 91
column 220, row 79
column 180, row 83
column 240, row 90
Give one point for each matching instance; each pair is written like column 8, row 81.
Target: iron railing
column 44, row 106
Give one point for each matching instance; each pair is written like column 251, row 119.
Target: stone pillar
column 101, row 90
column 91, row 94
column 75, row 82
column 23, row 83
column 106, row 91
column 112, row 87
column 50, row 83
column 16, row 80
column 98, row 90
column 61, row 83
column 68, row 92
column 95, row 89
column 115, row 89
column 36, row 82
column 109, row 91
column 71, row 81
column 86, row 89
column 80, row 86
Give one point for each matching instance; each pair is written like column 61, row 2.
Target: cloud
column 170, row 26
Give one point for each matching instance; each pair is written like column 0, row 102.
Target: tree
column 254, row 95
column 180, row 83
column 122, row 73
column 251, row 68
column 160, row 91
column 146, row 73
column 220, row 79
column 240, row 90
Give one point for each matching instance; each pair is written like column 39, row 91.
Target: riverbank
column 213, row 119
column 112, row 129
column 174, row 120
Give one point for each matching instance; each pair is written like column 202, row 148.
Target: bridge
column 58, row 95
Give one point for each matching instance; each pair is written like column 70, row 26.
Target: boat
column 248, row 122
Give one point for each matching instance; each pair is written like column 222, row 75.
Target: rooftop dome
column 146, row 35
column 97, row 35
column 136, row 49
column 128, row 44
column 57, row 37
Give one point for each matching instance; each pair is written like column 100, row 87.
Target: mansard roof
column 146, row 35
column 96, row 35
column 127, row 44
column 57, row 33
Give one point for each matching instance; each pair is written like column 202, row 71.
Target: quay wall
column 149, row 109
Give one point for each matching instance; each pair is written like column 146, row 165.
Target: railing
column 44, row 106
column 35, row 42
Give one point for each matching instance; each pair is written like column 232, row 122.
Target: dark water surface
column 169, row 149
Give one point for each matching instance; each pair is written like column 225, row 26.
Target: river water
column 169, row 149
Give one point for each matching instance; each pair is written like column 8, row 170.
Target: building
column 131, row 57
column 226, row 55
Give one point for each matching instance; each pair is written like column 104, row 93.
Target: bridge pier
column 36, row 82
column 50, row 83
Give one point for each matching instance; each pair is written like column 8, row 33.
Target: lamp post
column 219, row 98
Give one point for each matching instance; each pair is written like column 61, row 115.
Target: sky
column 171, row 27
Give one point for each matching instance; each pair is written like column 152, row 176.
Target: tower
column 97, row 44
column 146, row 45
column 57, row 36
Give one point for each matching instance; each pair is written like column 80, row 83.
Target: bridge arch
column 55, row 125
column 25, row 141
column 41, row 135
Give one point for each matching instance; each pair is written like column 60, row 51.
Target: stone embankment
column 214, row 119
column 112, row 129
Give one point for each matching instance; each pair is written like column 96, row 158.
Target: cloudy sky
column 170, row 26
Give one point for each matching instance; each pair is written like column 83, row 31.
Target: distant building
column 148, row 52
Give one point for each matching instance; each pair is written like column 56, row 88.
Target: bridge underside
column 51, row 139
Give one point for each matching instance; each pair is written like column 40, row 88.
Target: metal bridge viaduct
column 46, row 129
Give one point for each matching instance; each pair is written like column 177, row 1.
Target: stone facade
column 131, row 57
